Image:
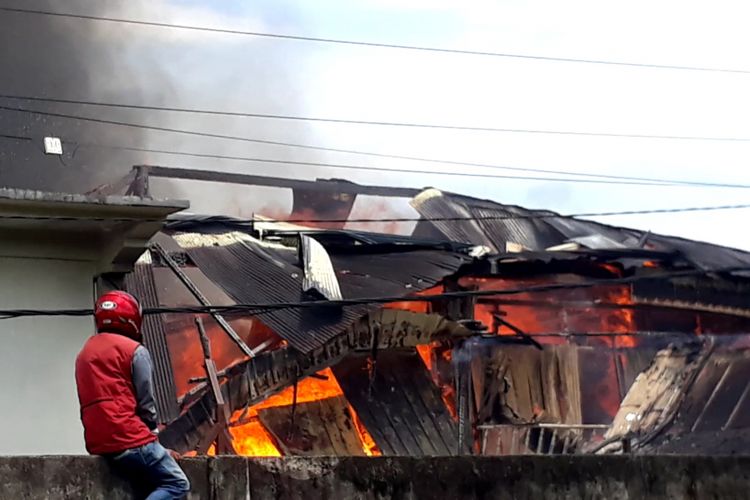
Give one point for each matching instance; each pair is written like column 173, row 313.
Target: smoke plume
column 115, row 62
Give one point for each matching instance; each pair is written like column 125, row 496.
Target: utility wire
column 400, row 170
column 409, row 170
column 379, row 123
column 267, row 307
column 349, row 151
column 347, row 121
column 642, row 181
column 369, row 44
column 403, row 219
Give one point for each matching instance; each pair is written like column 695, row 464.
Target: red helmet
column 118, row 312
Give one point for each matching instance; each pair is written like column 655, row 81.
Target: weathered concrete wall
column 610, row 477
column 37, row 357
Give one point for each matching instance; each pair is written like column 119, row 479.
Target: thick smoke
column 48, row 56
column 101, row 61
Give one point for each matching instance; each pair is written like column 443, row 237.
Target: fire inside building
column 491, row 329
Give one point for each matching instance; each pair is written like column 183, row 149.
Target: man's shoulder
column 105, row 340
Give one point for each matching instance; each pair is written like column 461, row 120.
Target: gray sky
column 313, row 79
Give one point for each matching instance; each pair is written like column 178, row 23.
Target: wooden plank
column 321, row 427
column 570, row 371
column 550, row 382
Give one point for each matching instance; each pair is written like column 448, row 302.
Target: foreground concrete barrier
column 611, row 477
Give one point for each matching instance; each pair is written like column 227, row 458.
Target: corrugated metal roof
column 141, row 284
column 402, row 409
column 251, row 271
column 542, row 233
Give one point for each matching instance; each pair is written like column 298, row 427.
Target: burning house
column 491, row 329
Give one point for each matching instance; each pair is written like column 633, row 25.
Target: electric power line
column 395, row 219
column 646, row 181
column 402, row 170
column 264, row 308
column 638, row 181
column 379, row 123
column 370, row 44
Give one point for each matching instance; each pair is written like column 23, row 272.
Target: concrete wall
column 518, row 478
column 38, row 401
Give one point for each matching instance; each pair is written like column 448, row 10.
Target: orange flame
column 252, row 438
column 368, row 444
column 431, row 354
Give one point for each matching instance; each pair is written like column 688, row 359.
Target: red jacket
column 107, row 395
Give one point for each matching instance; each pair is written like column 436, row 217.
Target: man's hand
column 174, row 454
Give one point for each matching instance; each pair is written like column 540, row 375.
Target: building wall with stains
column 38, row 401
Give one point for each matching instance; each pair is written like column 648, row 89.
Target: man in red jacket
column 113, row 375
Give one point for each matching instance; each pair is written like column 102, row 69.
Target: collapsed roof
column 274, row 263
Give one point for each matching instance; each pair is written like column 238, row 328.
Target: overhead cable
column 349, row 151
column 267, row 307
column 639, row 180
column 339, row 41
column 382, row 123
column 348, row 121
column 391, row 219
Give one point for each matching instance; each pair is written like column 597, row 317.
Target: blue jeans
column 153, row 468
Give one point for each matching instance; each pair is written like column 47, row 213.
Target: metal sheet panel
column 256, row 273
column 319, row 273
column 497, row 224
column 316, row 428
column 141, row 284
column 402, row 409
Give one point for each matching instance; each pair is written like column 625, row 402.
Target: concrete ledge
column 611, row 477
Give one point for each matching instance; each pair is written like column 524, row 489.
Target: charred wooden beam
column 223, row 438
